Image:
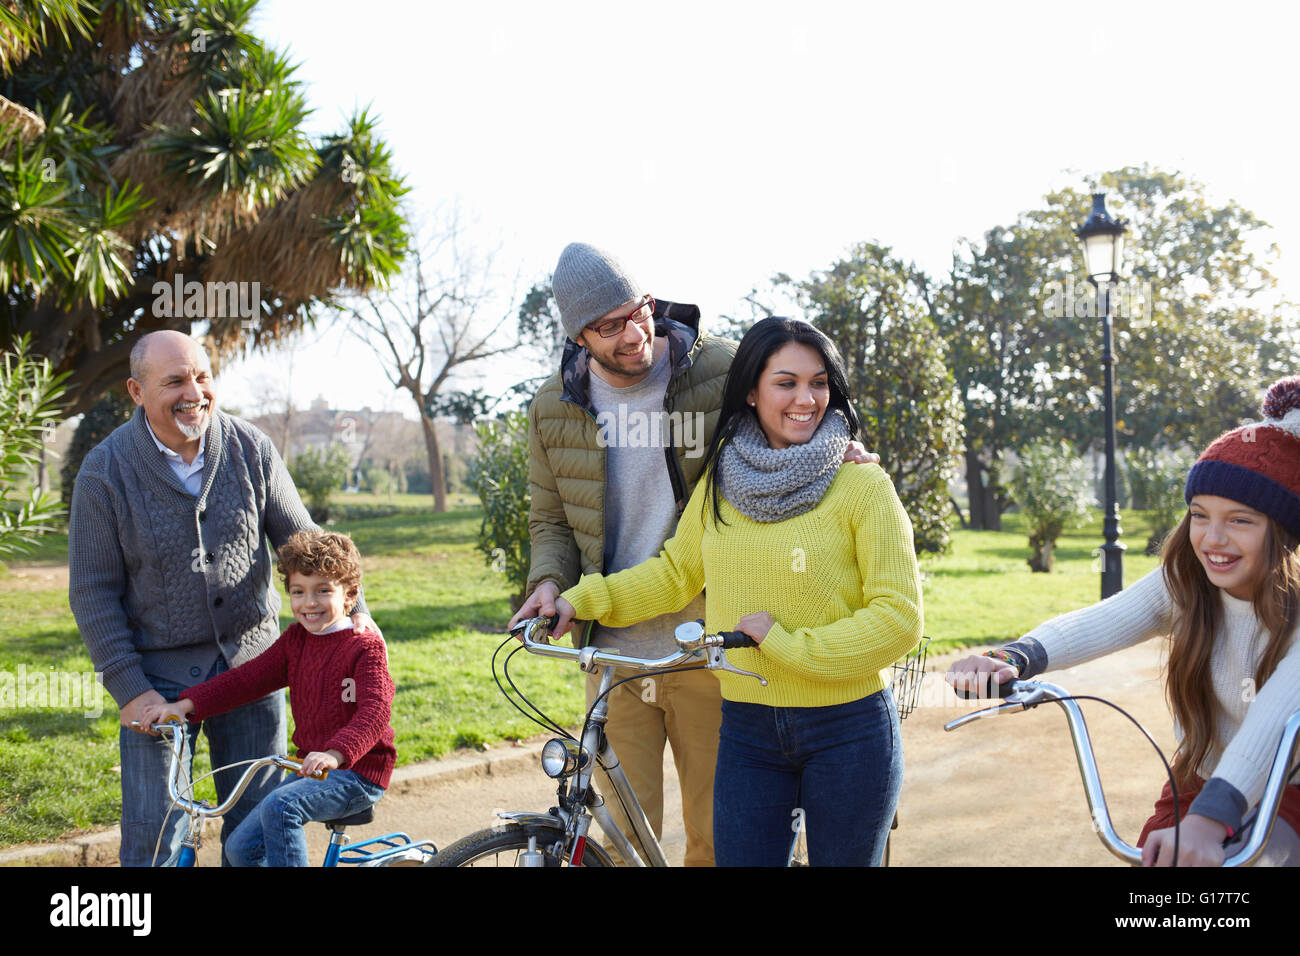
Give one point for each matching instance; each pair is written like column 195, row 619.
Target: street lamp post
column 1103, row 244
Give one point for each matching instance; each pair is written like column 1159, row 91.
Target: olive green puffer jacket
column 567, row 463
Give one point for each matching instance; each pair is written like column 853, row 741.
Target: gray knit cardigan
column 160, row 581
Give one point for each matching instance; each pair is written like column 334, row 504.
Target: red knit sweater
column 339, row 689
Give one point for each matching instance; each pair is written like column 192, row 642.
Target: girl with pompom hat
column 1227, row 595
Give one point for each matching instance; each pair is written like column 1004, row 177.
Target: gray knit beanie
column 587, row 284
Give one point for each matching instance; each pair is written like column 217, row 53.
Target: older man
column 170, row 575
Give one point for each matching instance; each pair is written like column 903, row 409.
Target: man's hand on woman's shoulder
column 857, row 454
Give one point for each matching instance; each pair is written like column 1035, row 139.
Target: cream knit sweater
column 1250, row 718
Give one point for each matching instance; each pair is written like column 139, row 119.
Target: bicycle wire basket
column 906, row 678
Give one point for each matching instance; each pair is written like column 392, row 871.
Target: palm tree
column 142, row 140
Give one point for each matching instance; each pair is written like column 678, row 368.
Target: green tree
column 143, row 144
column 499, row 476
column 879, row 312
column 1157, row 478
column 29, row 409
column 1053, row 488
column 999, row 349
column 1195, row 327
column 428, row 333
column 318, row 474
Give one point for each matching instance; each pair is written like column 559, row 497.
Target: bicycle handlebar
column 1024, row 695
column 695, row 647
column 172, row 730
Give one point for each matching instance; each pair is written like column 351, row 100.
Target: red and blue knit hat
column 1258, row 464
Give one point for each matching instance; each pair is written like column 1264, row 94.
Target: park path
column 998, row 792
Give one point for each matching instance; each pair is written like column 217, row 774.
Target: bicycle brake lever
column 986, row 712
column 717, row 659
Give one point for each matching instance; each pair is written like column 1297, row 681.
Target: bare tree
column 423, row 336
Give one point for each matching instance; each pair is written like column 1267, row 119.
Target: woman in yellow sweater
column 815, row 563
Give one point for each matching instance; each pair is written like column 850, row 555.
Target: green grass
column 982, row 591
column 442, row 610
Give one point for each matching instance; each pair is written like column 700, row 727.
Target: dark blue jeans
column 272, row 834
column 841, row 765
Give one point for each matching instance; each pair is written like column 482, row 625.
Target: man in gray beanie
column 616, row 443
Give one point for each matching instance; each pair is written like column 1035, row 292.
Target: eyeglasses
column 612, row 327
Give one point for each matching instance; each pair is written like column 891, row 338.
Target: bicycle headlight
column 559, row 758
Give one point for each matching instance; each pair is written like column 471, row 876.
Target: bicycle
column 559, row 837
column 1019, row 696
column 391, row 849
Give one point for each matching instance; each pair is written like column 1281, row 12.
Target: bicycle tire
column 502, row 844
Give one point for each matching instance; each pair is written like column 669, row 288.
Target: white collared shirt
column 191, row 475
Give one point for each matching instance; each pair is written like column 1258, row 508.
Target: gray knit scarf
column 773, row 484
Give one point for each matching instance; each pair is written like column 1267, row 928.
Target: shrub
column 499, row 476
column 29, row 411
column 317, row 474
column 1053, row 488
column 1158, row 478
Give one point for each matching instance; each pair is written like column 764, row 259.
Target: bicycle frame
column 1028, row 694
column 394, row 847
column 579, row 802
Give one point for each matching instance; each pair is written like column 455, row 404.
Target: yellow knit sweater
column 840, row 581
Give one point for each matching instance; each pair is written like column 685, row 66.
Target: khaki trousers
column 684, row 710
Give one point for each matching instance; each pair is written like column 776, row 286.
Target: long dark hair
column 764, row 338
column 1189, row 684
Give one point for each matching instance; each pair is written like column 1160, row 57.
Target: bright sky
column 712, row 144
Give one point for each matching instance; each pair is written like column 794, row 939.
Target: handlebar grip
column 732, row 639
column 1001, row 691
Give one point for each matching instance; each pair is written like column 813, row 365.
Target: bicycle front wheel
column 503, row 846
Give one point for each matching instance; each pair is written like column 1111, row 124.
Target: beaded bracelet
column 1007, row 657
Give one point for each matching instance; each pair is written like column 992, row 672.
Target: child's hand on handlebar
column 970, row 676
column 1200, row 843
column 319, row 760
column 161, row 713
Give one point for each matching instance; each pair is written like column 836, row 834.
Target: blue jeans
column 254, row 730
column 842, row 765
column 272, row 835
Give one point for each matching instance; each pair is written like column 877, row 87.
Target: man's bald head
column 164, row 340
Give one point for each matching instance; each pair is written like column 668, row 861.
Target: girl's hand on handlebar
column 971, row 675
column 1200, row 843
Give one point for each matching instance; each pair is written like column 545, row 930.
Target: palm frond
column 27, row 25
column 36, row 229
